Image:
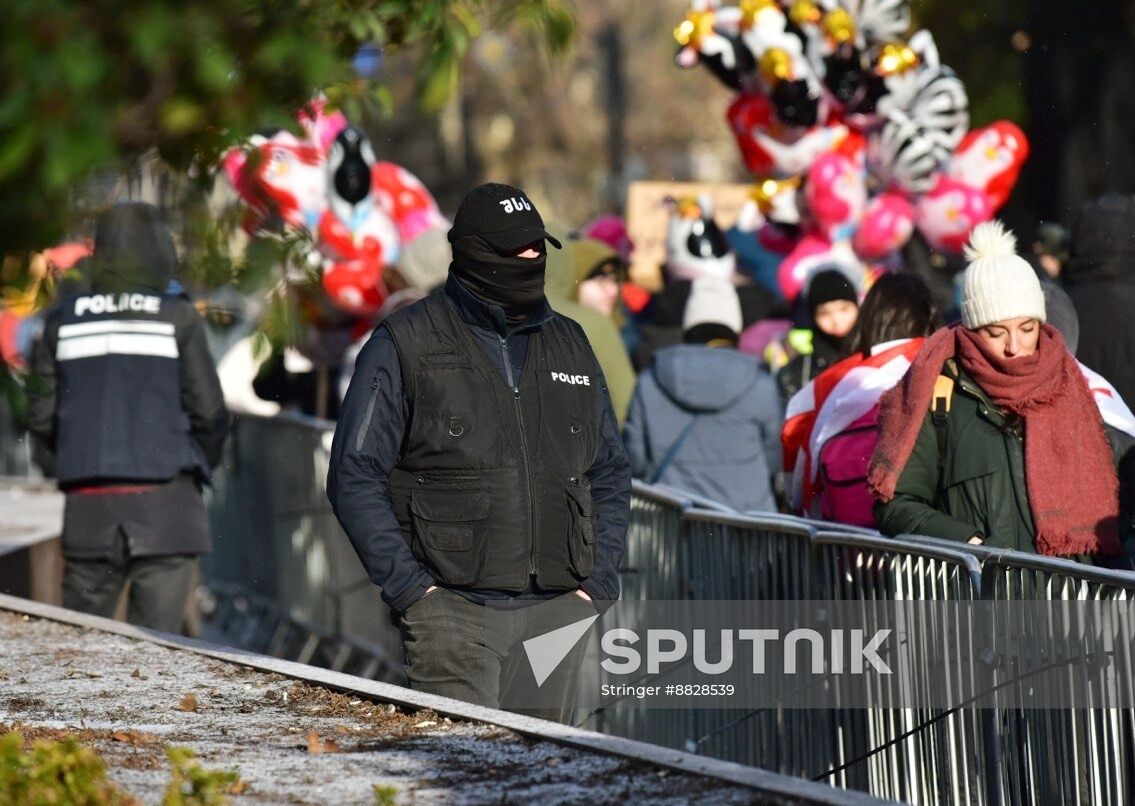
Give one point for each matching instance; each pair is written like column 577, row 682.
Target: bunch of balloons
column 360, row 213
column 857, row 134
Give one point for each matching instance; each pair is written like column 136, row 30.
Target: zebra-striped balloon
column 927, row 115
column 878, row 21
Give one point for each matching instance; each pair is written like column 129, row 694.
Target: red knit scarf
column 1072, row 485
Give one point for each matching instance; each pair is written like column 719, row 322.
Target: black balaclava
column 516, row 284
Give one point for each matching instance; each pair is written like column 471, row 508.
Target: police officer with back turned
column 128, row 409
column 477, row 468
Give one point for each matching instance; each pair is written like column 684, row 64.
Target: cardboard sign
column 648, row 216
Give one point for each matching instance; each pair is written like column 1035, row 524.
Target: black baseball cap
column 502, row 215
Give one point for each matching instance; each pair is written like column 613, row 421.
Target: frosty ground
column 291, row 741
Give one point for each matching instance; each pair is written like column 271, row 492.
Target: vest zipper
column 366, row 418
column 523, row 454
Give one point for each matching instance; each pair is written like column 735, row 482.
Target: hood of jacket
column 586, row 254
column 133, row 249
column 700, row 378
column 1103, row 240
column 558, row 270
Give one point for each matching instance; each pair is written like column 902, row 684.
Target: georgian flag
column 829, row 404
column 848, row 390
column 1112, row 408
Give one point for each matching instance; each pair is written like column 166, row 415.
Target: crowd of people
column 761, row 404
column 538, row 373
column 879, row 405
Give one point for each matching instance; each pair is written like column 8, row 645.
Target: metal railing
column 777, row 558
column 15, row 445
column 1081, row 756
column 285, row 579
column 919, row 755
column 277, row 543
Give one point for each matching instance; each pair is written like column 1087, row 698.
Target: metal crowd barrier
column 924, row 755
column 753, row 558
column 281, row 557
column 650, row 564
column 777, row 558
column 15, row 445
column 276, row 540
column 1081, row 756
column 260, row 625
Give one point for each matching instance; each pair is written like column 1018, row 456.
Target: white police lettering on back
column 108, row 303
column 574, row 380
column 515, row 205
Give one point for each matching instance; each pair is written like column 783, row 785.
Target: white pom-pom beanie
column 712, row 300
column 998, row 284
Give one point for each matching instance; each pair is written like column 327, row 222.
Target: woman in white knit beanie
column 994, row 436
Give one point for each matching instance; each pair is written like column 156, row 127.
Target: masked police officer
column 477, row 468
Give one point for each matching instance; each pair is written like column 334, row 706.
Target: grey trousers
column 159, row 587
column 475, row 653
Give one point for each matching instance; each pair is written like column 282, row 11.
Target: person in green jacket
column 994, row 436
column 566, row 272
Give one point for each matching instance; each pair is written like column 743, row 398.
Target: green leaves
column 192, row 785
column 65, row 771
column 438, row 75
column 16, row 148
column 15, row 395
column 466, row 22
column 54, row 772
column 87, row 87
column 559, row 27
column 180, row 115
column 151, row 31
column 216, row 70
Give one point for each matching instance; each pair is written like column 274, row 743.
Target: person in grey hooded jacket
column 705, row 418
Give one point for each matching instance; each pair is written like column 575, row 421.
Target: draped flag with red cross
column 847, row 391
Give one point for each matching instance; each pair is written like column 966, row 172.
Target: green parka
column 978, row 485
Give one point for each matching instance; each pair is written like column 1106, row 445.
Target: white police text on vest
column 109, row 303
column 574, row 380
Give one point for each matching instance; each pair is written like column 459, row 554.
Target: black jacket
column 366, row 449
column 124, row 386
column 1100, row 278
column 1105, row 307
column 802, row 369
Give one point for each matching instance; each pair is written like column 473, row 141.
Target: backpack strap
column 674, row 448
column 940, row 403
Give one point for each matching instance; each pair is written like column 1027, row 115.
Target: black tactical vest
column 490, row 487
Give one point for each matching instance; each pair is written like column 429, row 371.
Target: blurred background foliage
column 571, row 99
column 102, row 101
column 96, row 85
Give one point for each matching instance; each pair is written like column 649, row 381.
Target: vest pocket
column 581, row 543
column 449, row 533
